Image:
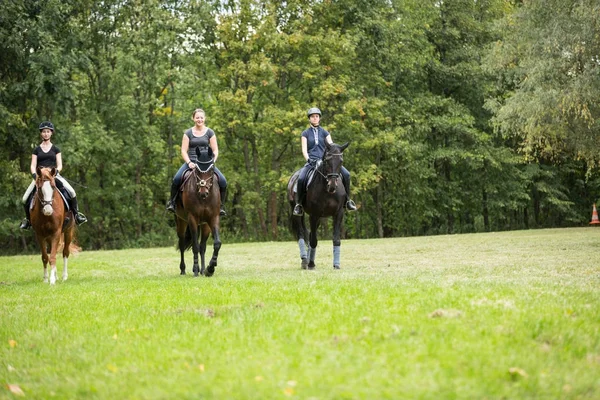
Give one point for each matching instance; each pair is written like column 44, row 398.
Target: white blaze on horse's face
column 47, row 193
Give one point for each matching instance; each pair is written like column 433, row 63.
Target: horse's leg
column 193, row 226
column 302, row 243
column 337, row 227
column 312, row 251
column 216, row 247
column 181, row 229
column 205, row 232
column 53, row 249
column 44, row 249
column 68, row 237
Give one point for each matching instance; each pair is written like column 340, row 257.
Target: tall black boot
column 223, row 192
column 26, row 224
column 79, row 217
column 350, row 205
column 300, row 193
column 174, row 191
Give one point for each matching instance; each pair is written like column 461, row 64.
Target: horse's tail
column 187, row 241
column 74, row 249
column 295, row 225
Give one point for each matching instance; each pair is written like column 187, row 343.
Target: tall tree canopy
column 462, row 115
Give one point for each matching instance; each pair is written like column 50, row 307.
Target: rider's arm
column 329, row 139
column 185, row 144
column 59, row 162
column 215, row 148
column 33, row 165
column 304, row 147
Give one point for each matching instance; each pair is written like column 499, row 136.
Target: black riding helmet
column 46, row 125
column 314, row 110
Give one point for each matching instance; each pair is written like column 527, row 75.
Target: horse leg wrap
column 312, row 253
column 302, row 247
column 336, row 255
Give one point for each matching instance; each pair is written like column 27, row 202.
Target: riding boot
column 350, row 205
column 79, row 217
column 298, row 211
column 26, row 224
column 171, row 203
column 223, row 192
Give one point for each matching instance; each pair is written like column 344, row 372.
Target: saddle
column 309, row 177
column 204, row 162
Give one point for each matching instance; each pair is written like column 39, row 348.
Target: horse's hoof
column 196, row 274
column 182, row 273
column 336, row 267
column 304, row 263
column 210, row 270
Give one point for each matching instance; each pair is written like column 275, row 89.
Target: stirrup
column 25, row 224
column 298, row 211
column 171, row 206
column 80, row 218
column 350, row 205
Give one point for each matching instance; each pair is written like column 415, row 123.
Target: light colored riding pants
column 60, row 178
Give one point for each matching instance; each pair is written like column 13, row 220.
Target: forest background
column 463, row 115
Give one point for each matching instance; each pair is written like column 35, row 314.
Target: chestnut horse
column 198, row 208
column 325, row 197
column 53, row 225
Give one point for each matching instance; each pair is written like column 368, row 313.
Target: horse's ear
column 38, row 171
column 53, row 171
column 343, row 147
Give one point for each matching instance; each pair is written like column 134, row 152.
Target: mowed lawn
column 512, row 315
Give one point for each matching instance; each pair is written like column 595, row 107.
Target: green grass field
column 512, row 315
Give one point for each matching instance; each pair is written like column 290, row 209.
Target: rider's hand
column 33, row 175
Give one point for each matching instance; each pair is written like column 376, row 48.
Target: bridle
column 331, row 175
column 40, row 195
column 202, row 183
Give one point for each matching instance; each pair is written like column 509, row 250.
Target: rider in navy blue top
column 313, row 148
column 200, row 136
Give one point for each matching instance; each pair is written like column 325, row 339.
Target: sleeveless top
column 316, row 139
column 46, row 159
column 198, row 141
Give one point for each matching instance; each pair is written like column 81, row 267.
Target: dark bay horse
column 53, row 225
column 198, row 209
column 325, row 197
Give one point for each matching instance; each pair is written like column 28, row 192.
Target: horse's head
column 46, row 185
column 332, row 164
column 204, row 171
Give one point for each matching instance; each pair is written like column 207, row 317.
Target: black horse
column 325, row 197
column 198, row 209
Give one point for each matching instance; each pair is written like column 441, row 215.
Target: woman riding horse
column 48, row 155
column 313, row 148
column 199, row 136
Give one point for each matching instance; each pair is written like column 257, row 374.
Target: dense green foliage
column 509, row 315
column 463, row 115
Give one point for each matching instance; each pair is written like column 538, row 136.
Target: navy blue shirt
column 316, row 139
column 46, row 159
